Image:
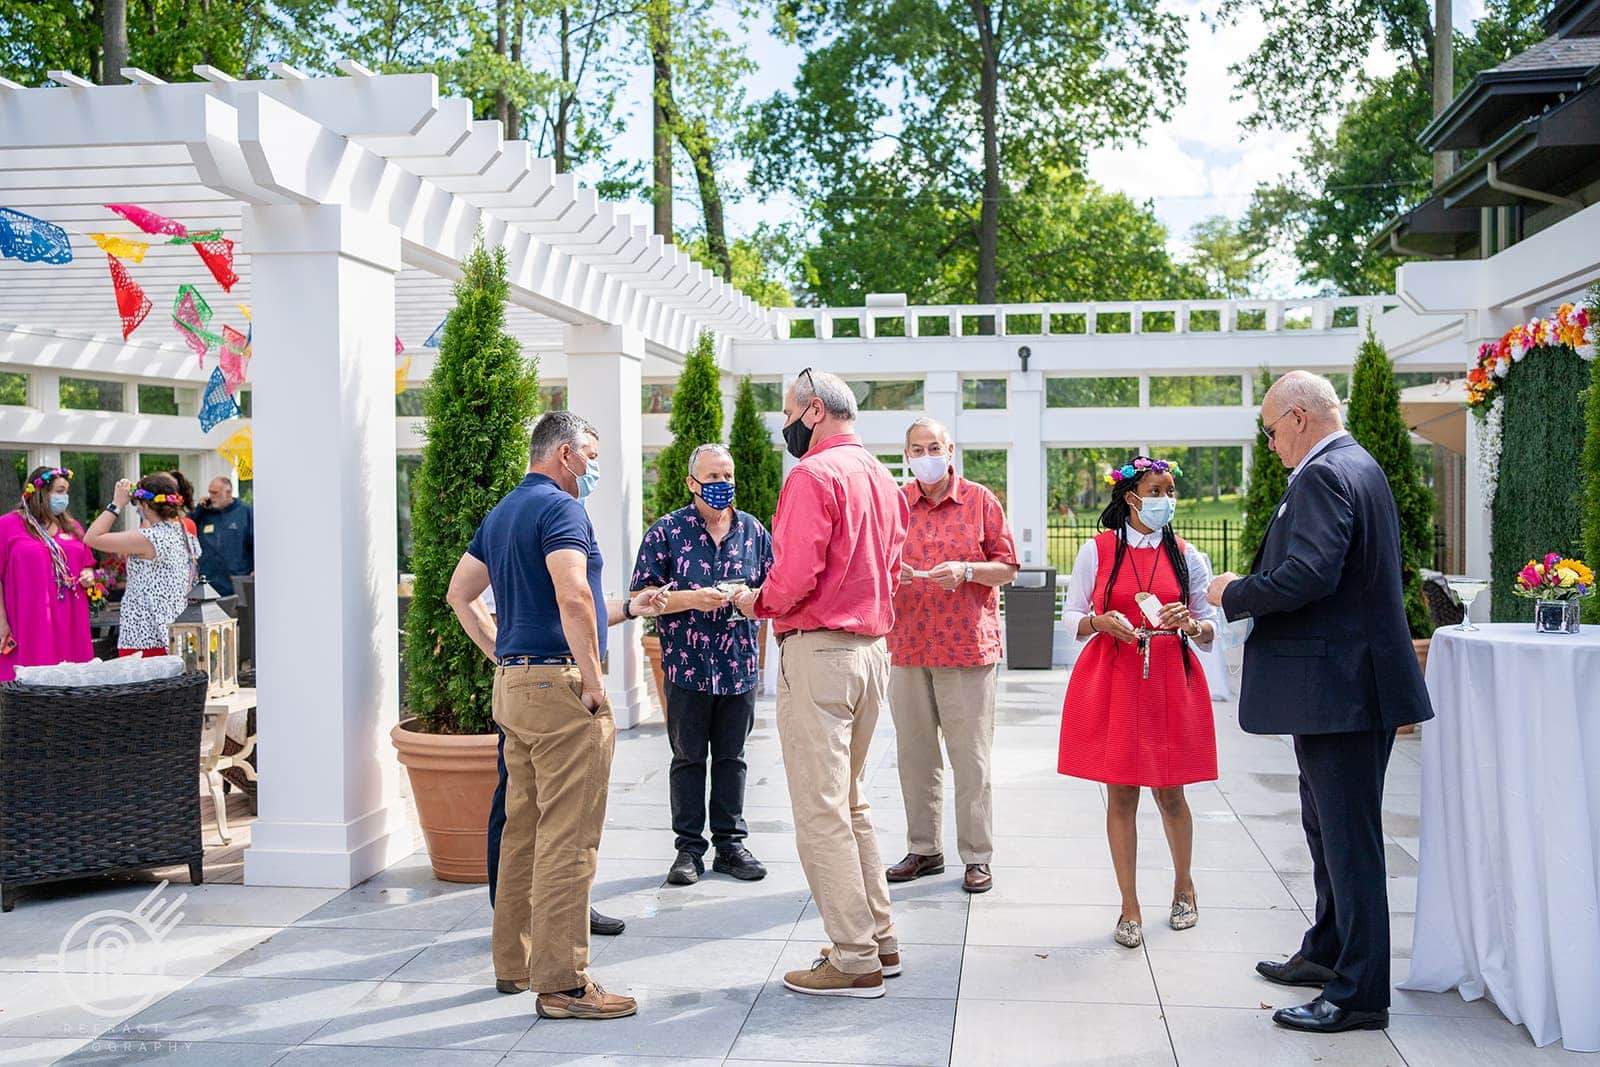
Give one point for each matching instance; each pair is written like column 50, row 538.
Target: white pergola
column 353, row 201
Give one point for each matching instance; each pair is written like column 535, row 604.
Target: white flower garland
column 1489, row 448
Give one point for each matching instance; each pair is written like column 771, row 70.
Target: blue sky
column 1199, row 163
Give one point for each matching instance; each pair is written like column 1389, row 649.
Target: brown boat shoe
column 595, row 1003
column 823, row 979
column 889, row 961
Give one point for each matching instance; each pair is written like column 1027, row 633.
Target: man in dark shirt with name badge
column 710, row 659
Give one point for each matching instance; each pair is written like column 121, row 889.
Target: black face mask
column 797, row 435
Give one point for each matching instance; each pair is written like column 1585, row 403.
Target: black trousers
column 497, row 821
column 721, row 723
column 1341, row 805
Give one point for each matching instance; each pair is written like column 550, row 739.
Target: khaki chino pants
column 831, row 689
column 959, row 703
column 558, row 769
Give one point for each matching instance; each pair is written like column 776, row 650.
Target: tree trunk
column 513, row 112
column 566, row 98
column 114, row 40
column 1216, row 474
column 1444, row 82
column 659, row 15
column 988, row 107
column 699, row 151
column 501, row 104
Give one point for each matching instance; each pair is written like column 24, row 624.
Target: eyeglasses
column 1271, row 428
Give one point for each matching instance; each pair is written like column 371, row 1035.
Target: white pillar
column 326, row 641
column 603, row 377
column 941, row 398
column 1025, row 468
column 1475, row 505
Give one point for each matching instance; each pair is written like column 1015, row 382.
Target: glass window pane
column 656, row 397
column 987, row 467
column 554, row 396
column 983, row 394
column 888, row 395
column 769, row 395
column 897, row 466
column 410, row 402
column 13, row 469
column 1091, row 392
column 14, row 388
column 91, row 394
column 158, row 400
column 243, row 397
column 151, row 462
column 406, row 466
column 94, row 476
column 1195, row 390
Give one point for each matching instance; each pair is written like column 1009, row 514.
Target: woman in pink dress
column 45, row 569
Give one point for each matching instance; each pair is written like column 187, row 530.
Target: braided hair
column 1115, row 517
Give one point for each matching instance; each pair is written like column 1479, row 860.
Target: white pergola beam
column 67, row 78
column 141, row 77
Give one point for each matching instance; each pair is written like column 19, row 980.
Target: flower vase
column 1555, row 616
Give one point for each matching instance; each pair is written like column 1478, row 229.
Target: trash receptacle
column 1031, row 619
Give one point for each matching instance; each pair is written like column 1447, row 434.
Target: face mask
column 930, row 470
column 58, row 504
column 1156, row 511
column 717, row 495
column 588, row 479
column 797, row 435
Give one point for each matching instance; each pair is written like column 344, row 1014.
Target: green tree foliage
column 1376, row 424
column 760, row 263
column 1366, row 171
column 913, row 127
column 1269, row 478
column 757, row 466
column 1537, row 503
column 1591, row 460
column 480, row 403
column 1225, row 256
column 696, row 419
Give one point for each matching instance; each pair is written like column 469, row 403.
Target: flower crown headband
column 1138, row 467
column 157, row 498
column 45, row 479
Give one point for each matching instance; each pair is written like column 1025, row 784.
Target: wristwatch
column 968, row 577
column 112, row 509
column 627, row 608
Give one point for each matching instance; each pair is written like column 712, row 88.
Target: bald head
column 1299, row 410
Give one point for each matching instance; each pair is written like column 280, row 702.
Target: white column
column 206, row 466
column 603, row 377
column 941, row 398
column 44, row 393
column 1025, row 468
column 326, row 641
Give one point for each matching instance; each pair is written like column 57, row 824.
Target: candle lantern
column 208, row 640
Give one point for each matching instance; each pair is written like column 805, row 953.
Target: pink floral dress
column 50, row 625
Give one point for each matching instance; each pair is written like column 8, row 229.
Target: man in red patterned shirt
column 945, row 650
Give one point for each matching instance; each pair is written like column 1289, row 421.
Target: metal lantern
column 207, row 638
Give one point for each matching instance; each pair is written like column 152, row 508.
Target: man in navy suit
column 1330, row 661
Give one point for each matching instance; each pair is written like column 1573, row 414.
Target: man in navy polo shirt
column 537, row 549
column 710, row 660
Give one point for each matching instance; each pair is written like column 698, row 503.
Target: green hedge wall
column 1591, row 462
column 1536, row 507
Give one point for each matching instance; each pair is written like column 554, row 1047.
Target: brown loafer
column 595, row 1003
column 914, row 866
column 978, row 878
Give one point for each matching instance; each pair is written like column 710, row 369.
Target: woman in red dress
column 1138, row 711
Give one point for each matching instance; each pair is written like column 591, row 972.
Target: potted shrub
column 1377, row 425
column 479, row 403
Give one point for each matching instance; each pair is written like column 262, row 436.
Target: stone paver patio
column 396, row 971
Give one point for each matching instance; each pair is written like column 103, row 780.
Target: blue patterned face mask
column 717, row 495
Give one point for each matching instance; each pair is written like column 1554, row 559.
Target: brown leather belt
column 814, row 630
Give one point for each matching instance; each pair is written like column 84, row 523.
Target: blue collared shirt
column 707, row 651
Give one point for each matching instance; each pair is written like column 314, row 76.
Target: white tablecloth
column 1508, row 891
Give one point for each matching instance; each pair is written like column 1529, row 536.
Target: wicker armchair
column 98, row 779
column 1443, row 607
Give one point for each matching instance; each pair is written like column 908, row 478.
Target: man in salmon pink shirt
column 945, row 651
column 836, row 561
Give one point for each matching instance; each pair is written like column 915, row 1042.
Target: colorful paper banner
column 234, row 361
column 240, row 450
column 132, row 304
column 402, row 374
column 218, row 405
column 121, row 247
column 149, row 221
column 33, row 240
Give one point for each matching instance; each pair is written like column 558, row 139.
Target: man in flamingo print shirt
column 944, row 651
column 710, row 661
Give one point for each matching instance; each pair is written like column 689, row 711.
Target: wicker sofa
column 99, row 779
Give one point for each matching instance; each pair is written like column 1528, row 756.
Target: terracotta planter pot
column 652, row 652
column 453, row 778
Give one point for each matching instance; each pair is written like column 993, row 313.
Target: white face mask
column 930, row 470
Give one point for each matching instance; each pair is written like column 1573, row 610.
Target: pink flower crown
column 45, row 479
column 1138, row 467
column 157, row 498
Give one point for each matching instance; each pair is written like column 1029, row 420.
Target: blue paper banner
column 217, row 406
column 435, row 337
column 32, row 240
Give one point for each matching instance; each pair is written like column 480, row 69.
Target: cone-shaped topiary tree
column 1591, row 460
column 1377, row 425
column 1268, row 479
column 696, row 419
column 756, row 464
column 480, row 401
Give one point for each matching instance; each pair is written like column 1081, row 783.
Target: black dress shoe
column 605, row 925
column 1321, row 1017
column 738, row 862
column 686, row 869
column 1296, row 970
